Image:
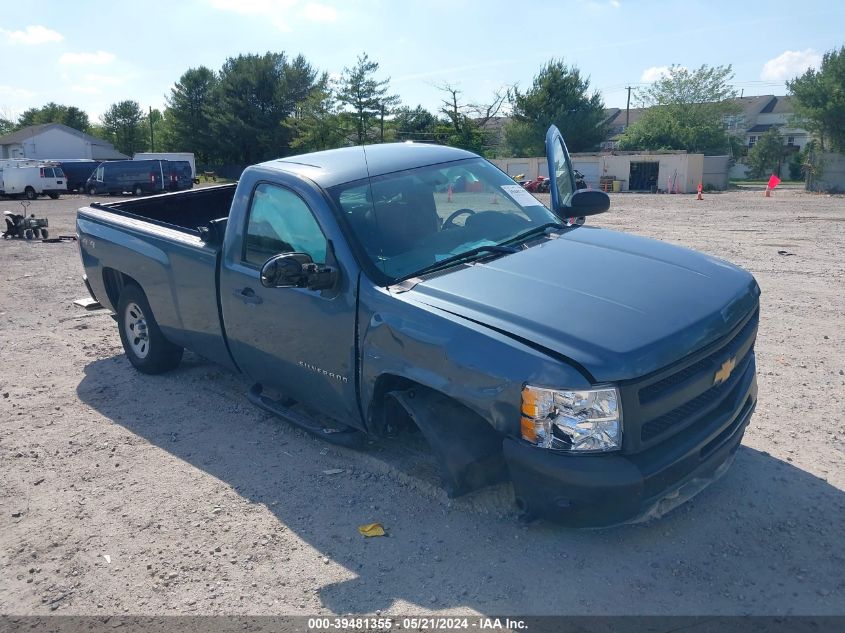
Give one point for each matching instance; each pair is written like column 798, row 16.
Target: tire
column 36, row 233
column 44, row 234
column 144, row 344
column 30, row 194
column 28, row 234
column 53, row 195
column 138, row 190
column 92, row 190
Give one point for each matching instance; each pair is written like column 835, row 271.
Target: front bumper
column 605, row 490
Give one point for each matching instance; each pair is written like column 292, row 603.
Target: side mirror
column 297, row 270
column 588, row 202
column 285, row 271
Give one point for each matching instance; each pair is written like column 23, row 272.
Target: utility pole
column 152, row 142
column 628, row 108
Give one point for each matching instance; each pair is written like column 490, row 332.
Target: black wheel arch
column 467, row 446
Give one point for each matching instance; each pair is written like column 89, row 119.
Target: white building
column 674, row 171
column 54, row 140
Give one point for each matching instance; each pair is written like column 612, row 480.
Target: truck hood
column 620, row 306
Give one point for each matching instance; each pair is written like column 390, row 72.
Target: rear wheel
column 54, row 195
column 30, row 194
column 144, row 344
column 138, row 190
column 44, row 234
column 92, row 190
column 28, row 234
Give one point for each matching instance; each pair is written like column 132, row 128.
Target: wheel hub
column 136, row 330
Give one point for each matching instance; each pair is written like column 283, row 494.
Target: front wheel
column 92, row 191
column 144, row 344
column 138, row 191
column 30, row 194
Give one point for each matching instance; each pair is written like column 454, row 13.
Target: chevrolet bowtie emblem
column 724, row 371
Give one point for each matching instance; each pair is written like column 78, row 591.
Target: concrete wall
column 530, row 167
column 738, row 171
column 833, row 173
column 685, row 170
column 716, row 171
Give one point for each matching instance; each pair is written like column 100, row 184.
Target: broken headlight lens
column 584, row 421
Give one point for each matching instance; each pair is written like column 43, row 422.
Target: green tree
column 6, row 126
column 316, row 124
column 187, row 115
column 820, row 96
column 125, row 126
column 559, row 95
column 155, row 130
column 253, row 96
column 465, row 125
column 416, row 124
column 767, row 154
column 367, row 97
column 686, row 110
column 55, row 113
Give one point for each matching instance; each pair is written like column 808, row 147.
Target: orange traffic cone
column 699, row 196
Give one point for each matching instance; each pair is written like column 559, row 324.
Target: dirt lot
column 125, row 493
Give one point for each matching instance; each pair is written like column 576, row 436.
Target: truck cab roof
column 347, row 164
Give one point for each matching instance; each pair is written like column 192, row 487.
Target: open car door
column 567, row 201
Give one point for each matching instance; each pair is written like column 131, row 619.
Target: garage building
column 56, row 141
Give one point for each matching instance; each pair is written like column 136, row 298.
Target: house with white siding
column 56, row 141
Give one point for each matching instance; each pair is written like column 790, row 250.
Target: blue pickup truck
column 412, row 288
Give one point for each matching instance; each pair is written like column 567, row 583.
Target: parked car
column 31, row 179
column 609, row 376
column 136, row 176
column 77, row 172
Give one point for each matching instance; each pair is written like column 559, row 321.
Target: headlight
column 586, row 421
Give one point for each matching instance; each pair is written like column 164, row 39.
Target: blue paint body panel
column 579, row 307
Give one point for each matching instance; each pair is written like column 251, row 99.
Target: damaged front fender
column 467, row 448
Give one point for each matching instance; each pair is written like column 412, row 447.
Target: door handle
column 247, row 295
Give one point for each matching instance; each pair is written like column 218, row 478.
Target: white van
column 171, row 156
column 31, row 180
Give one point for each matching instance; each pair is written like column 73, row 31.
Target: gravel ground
column 126, row 493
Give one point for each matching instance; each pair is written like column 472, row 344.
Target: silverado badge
column 724, row 371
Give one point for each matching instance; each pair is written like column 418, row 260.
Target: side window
column 281, row 222
column 100, row 171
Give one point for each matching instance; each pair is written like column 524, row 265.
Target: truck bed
column 169, row 245
column 184, row 210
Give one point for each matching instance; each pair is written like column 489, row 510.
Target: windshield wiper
column 462, row 257
column 537, row 230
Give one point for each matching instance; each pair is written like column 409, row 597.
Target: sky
column 90, row 54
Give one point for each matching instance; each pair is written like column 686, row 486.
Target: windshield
column 410, row 220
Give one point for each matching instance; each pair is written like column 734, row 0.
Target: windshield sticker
column 521, row 196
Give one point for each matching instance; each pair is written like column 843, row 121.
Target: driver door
column 562, row 182
column 296, row 340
